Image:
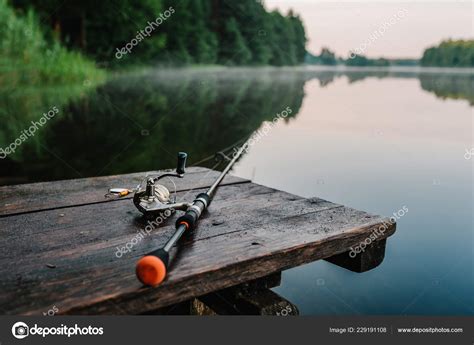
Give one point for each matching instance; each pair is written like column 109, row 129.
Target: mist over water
column 375, row 140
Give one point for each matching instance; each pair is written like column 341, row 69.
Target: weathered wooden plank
column 272, row 231
column 72, row 232
column 221, row 266
column 67, row 257
column 35, row 197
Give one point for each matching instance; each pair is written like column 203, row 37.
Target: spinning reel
column 155, row 198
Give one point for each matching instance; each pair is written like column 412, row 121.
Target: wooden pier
column 60, row 245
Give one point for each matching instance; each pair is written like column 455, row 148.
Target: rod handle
column 152, row 268
column 190, row 218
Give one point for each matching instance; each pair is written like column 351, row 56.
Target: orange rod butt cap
column 150, row 270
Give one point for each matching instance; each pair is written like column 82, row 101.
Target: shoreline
column 299, row 68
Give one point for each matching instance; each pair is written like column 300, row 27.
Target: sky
column 405, row 28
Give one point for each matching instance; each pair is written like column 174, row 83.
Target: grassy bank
column 28, row 58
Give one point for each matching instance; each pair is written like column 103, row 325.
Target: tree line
column 199, row 31
column 450, row 53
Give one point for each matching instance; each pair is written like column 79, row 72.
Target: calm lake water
column 376, row 140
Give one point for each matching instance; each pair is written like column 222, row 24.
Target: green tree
column 300, row 36
column 100, row 27
column 327, row 57
column 233, row 48
column 450, row 53
column 199, row 31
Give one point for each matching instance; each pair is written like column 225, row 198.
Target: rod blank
column 152, row 269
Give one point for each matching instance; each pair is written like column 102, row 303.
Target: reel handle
column 182, row 156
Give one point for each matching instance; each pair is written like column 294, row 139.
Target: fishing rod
column 152, row 268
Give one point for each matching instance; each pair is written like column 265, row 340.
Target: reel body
column 156, row 198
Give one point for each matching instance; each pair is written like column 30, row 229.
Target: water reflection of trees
column 449, row 86
column 443, row 85
column 137, row 123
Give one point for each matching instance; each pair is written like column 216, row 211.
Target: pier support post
column 252, row 298
column 370, row 258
